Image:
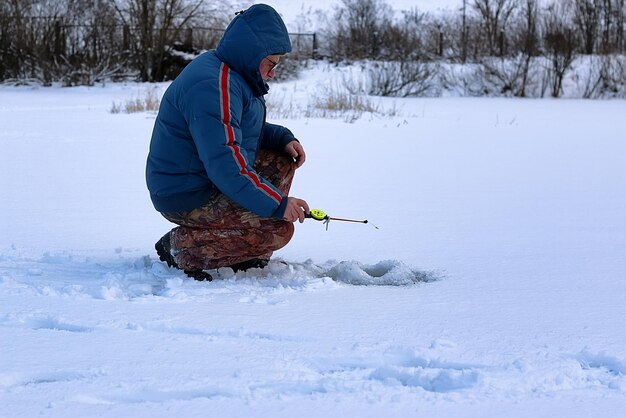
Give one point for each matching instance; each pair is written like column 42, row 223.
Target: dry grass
column 148, row 101
column 332, row 103
column 341, row 101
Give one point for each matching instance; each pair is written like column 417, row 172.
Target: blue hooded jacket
column 211, row 123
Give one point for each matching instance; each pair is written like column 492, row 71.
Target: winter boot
column 249, row 264
column 163, row 249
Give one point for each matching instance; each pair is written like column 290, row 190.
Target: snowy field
column 509, row 216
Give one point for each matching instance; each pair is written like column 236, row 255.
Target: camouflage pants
column 222, row 233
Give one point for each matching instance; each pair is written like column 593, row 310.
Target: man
column 216, row 167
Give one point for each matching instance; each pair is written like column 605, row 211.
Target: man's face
column 268, row 66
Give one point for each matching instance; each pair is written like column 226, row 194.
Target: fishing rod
column 320, row 215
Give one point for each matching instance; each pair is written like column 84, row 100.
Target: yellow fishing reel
column 317, row 214
column 320, row 215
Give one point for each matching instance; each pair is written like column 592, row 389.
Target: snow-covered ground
column 509, row 215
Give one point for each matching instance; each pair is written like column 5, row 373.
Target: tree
column 513, row 74
column 157, row 23
column 358, row 28
column 587, row 19
column 612, row 26
column 620, row 23
column 494, row 15
column 560, row 42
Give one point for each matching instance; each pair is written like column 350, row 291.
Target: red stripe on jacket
column 230, row 138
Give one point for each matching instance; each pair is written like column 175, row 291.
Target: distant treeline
column 523, row 48
column 84, row 41
column 371, row 29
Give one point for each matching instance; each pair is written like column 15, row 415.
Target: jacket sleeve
column 275, row 137
column 214, row 114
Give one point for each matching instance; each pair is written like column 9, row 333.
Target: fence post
column 314, row 53
column 298, row 44
column 189, row 39
column 125, row 38
column 440, row 39
column 95, row 42
column 58, row 42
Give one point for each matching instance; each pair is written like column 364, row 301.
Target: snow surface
column 500, row 264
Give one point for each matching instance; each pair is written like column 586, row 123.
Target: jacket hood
column 251, row 36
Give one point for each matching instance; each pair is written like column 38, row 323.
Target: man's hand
column 295, row 210
column 294, row 148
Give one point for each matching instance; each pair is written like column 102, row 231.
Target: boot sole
column 163, row 256
column 199, row 275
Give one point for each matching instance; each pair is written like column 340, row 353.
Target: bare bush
column 367, row 29
column 401, row 79
column 561, row 42
column 613, row 76
column 159, row 24
column 510, row 76
column 526, row 38
column 587, row 77
column 600, row 76
column 357, row 29
column 56, row 41
column 404, row 40
column 462, row 79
